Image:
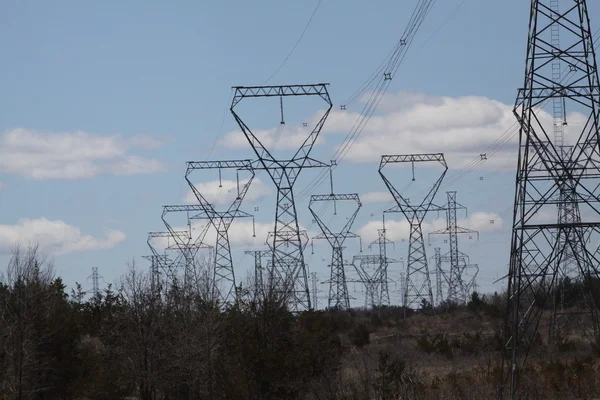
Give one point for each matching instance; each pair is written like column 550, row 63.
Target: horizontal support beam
column 319, row 89
column 335, row 197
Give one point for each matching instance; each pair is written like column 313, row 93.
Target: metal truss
column 458, row 288
column 288, row 257
column 184, row 243
column 338, row 289
column 439, row 274
column 224, row 274
column 315, row 290
column 417, row 291
column 382, row 242
column 160, row 261
column 548, row 175
column 258, row 270
column 371, row 280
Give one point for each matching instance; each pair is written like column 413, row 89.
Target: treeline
column 130, row 342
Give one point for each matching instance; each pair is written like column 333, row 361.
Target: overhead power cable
column 297, row 42
column 375, row 88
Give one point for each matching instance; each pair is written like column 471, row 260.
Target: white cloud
column 226, row 194
column 73, row 155
column 460, row 127
column 284, row 137
column 56, row 237
column 399, row 229
column 376, row 197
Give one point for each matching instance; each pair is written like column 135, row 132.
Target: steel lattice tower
column 258, row 270
column 548, row 176
column 288, row 256
column 372, row 281
column 95, row 281
column 160, row 261
column 439, row 292
column 418, row 280
column 184, row 243
column 315, row 290
column 224, row 274
column 384, row 292
column 338, row 289
column 457, row 287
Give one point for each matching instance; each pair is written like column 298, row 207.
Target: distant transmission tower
column 417, row 291
column 288, row 256
column 338, row 289
column 183, row 242
column 258, row 270
column 315, row 290
column 439, row 291
column 458, row 288
column 384, row 292
column 550, row 174
column 95, row 281
column 224, row 274
column 161, row 260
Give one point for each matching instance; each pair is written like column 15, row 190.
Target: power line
column 297, row 42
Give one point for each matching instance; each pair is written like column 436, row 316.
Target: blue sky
column 103, row 102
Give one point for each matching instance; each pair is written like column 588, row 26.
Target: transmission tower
column 315, row 290
column 382, row 242
column 258, row 270
column 183, row 242
column 547, row 177
column 95, row 281
column 288, row 256
column 371, row 280
column 457, row 287
column 338, row 289
column 418, row 282
column 224, row 275
column 160, row 261
column 439, row 293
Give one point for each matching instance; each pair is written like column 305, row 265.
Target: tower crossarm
column 319, row 89
column 418, row 209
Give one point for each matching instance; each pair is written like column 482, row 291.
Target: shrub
column 360, row 335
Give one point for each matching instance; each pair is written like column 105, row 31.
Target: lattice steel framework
column 184, row 243
column 160, row 261
column 224, row 273
column 288, row 256
column 382, row 242
column 544, row 171
column 418, row 280
column 315, row 290
column 258, row 270
column 458, row 288
column 439, row 291
column 338, row 289
column 371, row 280
column 95, row 277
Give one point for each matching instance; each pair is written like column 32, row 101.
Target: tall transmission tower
column 95, row 281
column 545, row 170
column 338, row 289
column 418, row 281
column 224, row 274
column 457, row 287
column 258, row 270
column 288, row 256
